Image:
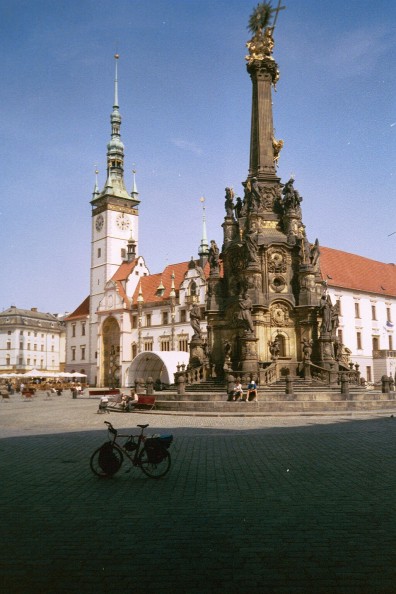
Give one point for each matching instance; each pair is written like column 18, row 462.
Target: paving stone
column 252, row 504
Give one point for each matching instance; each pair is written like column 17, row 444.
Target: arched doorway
column 110, row 354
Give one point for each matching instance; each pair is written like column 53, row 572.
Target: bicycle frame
column 115, row 434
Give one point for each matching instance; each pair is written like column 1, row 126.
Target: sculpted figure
column 255, row 195
column 291, row 197
column 245, row 313
column 195, row 320
column 238, row 208
column 213, row 257
column 252, row 246
column 325, row 308
column 229, row 202
column 315, row 253
column 307, row 349
column 274, row 348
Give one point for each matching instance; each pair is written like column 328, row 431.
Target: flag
column 389, row 324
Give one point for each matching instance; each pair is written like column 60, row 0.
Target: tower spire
column 203, row 249
column 115, row 148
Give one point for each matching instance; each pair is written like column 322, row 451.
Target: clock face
column 99, row 222
column 122, row 221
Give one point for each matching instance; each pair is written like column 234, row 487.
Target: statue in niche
column 195, row 320
column 213, row 257
column 307, row 349
column 245, row 313
column 227, row 351
column 274, row 348
column 229, row 203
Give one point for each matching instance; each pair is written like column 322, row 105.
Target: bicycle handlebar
column 111, row 428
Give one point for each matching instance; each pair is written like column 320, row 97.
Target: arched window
column 193, row 288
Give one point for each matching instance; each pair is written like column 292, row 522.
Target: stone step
column 279, row 397
column 276, row 406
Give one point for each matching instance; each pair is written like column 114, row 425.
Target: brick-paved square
column 251, row 504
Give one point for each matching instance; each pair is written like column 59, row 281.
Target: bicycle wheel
column 106, row 460
column 155, row 464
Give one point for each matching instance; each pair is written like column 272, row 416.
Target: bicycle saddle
column 143, row 426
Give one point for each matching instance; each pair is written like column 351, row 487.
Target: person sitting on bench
column 129, row 402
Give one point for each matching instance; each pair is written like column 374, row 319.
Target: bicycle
column 148, row 453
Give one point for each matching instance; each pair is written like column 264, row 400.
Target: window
column 183, row 344
column 35, row 347
column 21, row 333
column 390, row 338
column 123, row 253
column 8, row 360
column 42, row 336
column 82, row 353
column 99, row 252
column 182, row 316
column 148, row 345
column 28, row 361
column 165, row 345
column 28, row 346
column 73, row 330
column 357, row 310
column 8, row 344
column 82, row 328
column 375, row 343
column 388, row 314
column 35, row 334
column 338, row 304
column 193, row 288
column 52, row 348
column 148, row 320
column 134, row 350
column 368, row 374
column 359, row 340
column 21, row 346
column 35, row 362
column 20, row 361
column 9, row 332
column 73, row 353
column 373, row 312
column 42, row 363
column 165, row 317
column 134, row 322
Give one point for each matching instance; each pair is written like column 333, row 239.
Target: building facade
column 30, row 340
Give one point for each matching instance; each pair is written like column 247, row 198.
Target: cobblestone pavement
column 251, row 504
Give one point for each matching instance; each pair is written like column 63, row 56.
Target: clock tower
column 114, row 222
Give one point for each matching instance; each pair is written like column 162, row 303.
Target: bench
column 145, row 402
column 116, row 404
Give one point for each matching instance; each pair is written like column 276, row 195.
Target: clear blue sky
column 185, row 101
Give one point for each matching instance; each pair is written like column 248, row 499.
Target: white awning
column 160, row 365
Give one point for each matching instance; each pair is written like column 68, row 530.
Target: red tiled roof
column 349, row 271
column 82, row 310
column 151, row 283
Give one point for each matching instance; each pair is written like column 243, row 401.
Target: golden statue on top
column 262, row 43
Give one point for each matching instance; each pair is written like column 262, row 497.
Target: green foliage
column 260, row 17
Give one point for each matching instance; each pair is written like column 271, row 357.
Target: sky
column 185, row 101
